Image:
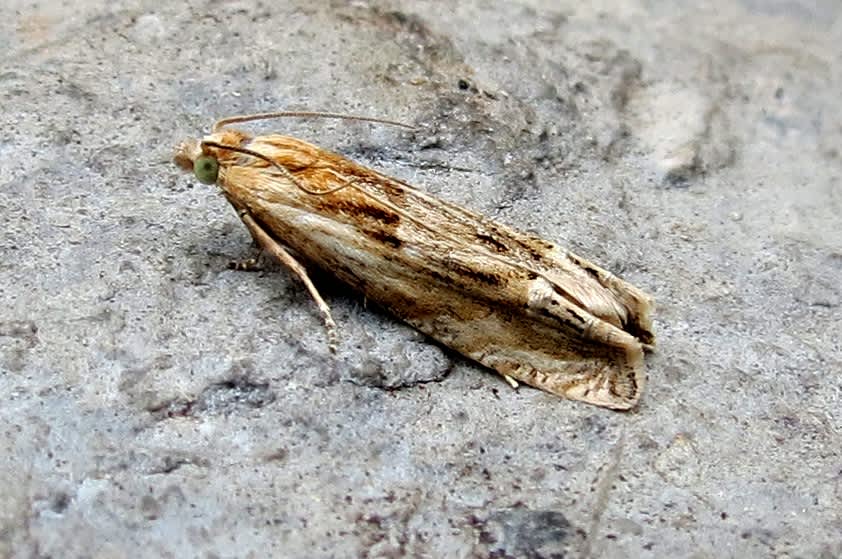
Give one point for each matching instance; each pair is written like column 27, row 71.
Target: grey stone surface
column 157, row 404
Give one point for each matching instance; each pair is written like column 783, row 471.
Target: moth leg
column 271, row 246
column 252, row 264
column 512, row 382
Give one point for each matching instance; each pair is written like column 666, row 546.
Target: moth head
column 190, row 157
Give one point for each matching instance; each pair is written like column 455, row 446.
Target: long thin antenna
column 304, row 114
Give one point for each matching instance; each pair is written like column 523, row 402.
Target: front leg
column 270, row 245
column 252, row 264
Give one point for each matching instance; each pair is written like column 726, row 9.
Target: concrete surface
column 157, row 404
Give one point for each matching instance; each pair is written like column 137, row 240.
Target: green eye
column 206, row 169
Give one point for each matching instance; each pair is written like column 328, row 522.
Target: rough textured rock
column 158, row 404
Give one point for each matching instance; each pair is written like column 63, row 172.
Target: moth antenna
column 281, row 169
column 219, row 124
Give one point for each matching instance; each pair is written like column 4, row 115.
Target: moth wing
column 478, row 279
column 601, row 292
column 524, row 329
column 561, row 361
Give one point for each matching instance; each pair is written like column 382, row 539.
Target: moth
column 520, row 305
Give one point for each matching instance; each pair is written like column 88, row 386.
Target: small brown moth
column 516, row 303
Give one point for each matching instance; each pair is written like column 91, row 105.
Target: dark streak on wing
column 583, row 264
column 435, row 274
column 384, row 237
column 593, row 273
column 579, row 318
column 362, row 209
column 562, row 293
column 493, row 242
column 612, row 387
column 535, row 247
column 635, row 330
column 396, row 194
column 475, row 274
column 575, row 325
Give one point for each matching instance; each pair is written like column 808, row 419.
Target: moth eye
column 206, row 168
